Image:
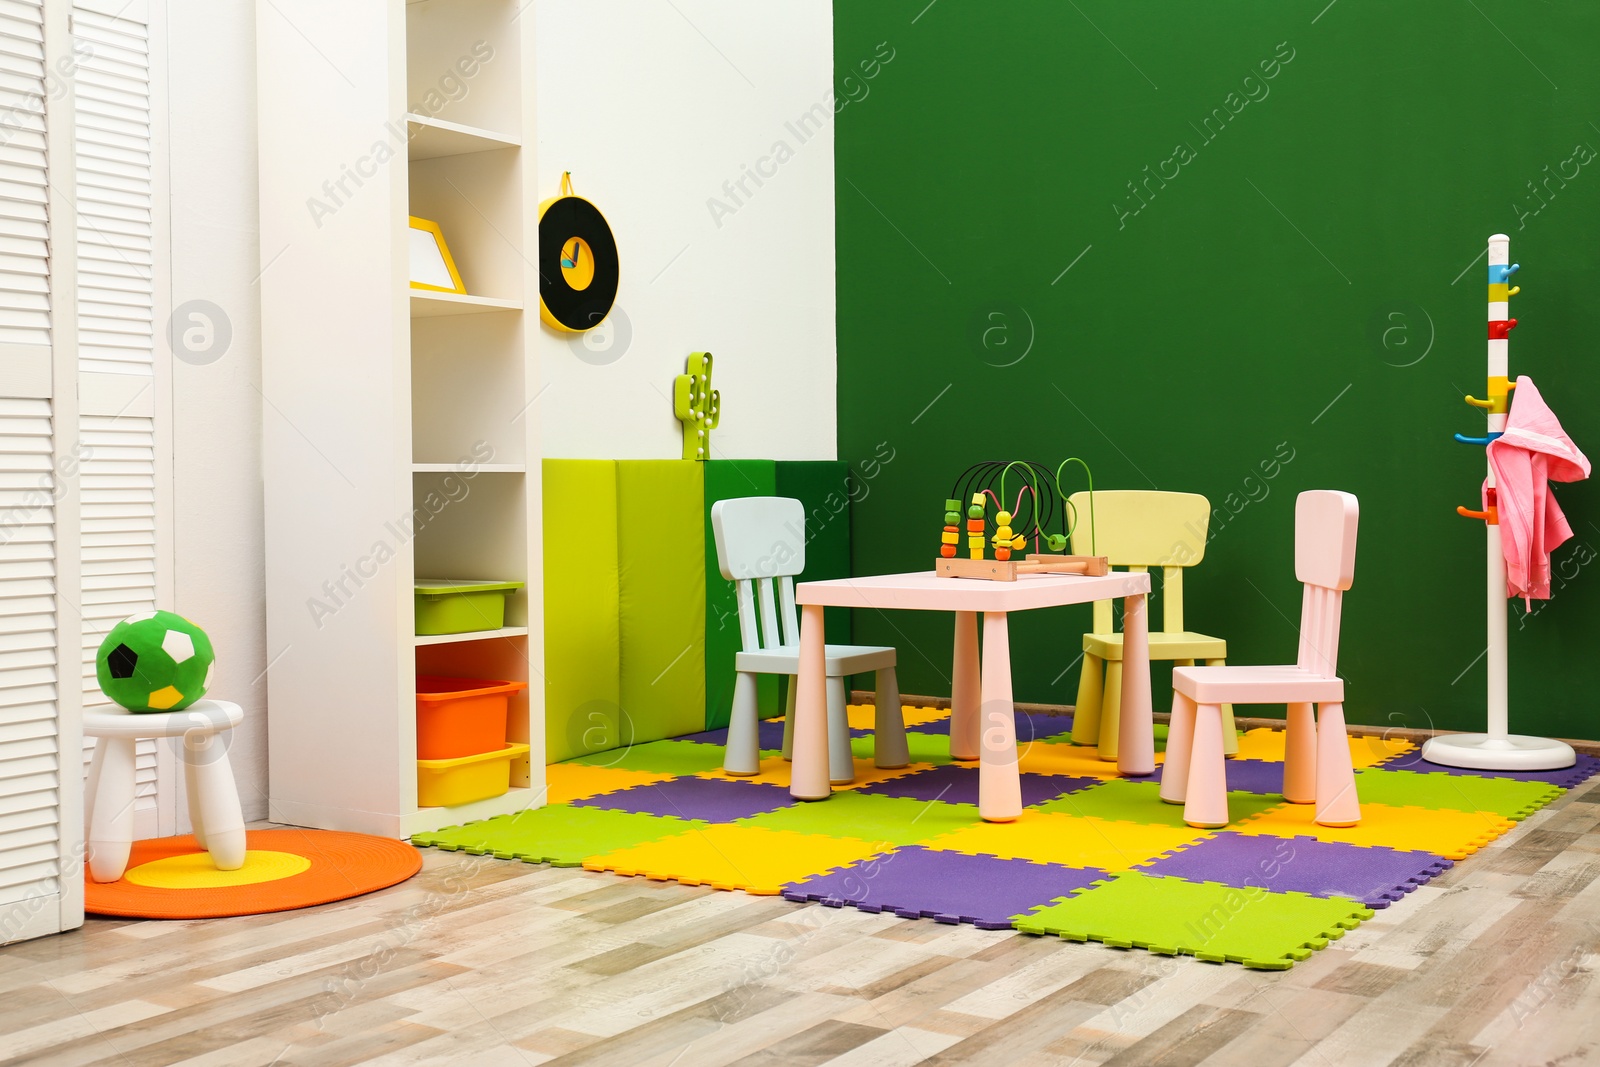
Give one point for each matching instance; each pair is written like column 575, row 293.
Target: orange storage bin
column 461, row 716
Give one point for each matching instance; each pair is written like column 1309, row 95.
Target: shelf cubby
column 467, row 390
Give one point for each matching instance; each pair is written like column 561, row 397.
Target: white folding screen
column 117, row 297
column 31, row 855
column 40, row 805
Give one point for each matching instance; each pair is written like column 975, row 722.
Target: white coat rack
column 1497, row 749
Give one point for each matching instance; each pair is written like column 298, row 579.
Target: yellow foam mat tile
column 751, row 858
column 575, row 781
column 1265, row 743
column 1070, row 840
column 774, row 770
column 1452, row 834
column 862, row 716
column 1043, row 757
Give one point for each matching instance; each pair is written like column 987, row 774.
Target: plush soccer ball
column 155, row 661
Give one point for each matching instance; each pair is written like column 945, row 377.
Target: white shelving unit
column 400, row 435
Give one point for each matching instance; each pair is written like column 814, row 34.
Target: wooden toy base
column 995, row 570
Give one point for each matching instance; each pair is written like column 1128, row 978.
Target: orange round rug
column 172, row 877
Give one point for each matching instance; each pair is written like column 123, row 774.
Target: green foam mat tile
column 1508, row 797
column 925, row 748
column 1124, row 800
column 868, row 817
column 558, row 834
column 660, row 757
column 1172, row 916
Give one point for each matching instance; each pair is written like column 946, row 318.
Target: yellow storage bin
column 442, row 783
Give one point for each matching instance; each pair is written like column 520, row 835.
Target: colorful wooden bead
column 947, row 551
column 950, row 537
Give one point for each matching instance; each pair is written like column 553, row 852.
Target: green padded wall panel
column 582, row 644
column 726, row 478
column 824, row 487
column 661, row 567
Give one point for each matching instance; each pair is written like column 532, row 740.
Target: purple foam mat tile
column 1565, row 777
column 708, row 799
column 769, row 736
column 1246, row 776
column 1374, row 875
column 956, row 784
column 1030, row 726
column 948, row 887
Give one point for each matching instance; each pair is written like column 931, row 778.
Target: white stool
column 213, row 796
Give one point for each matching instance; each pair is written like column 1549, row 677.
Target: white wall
column 652, row 112
column 216, row 407
column 653, row 107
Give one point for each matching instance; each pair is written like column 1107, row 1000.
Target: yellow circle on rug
column 196, row 871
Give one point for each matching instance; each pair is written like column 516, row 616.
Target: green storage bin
column 454, row 606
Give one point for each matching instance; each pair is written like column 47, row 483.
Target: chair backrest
column 1140, row 529
column 1325, row 563
column 761, row 540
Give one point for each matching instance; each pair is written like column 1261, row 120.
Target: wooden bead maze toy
column 1013, row 528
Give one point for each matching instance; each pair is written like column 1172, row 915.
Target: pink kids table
column 995, row 743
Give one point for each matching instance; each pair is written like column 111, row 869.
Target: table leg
column 111, row 824
column 808, row 773
column 1136, row 745
column 999, row 784
column 965, row 694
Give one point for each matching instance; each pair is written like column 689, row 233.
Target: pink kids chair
column 1316, row 765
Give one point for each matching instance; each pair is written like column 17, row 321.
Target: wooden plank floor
column 484, row 962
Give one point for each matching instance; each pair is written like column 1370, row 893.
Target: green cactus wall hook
column 697, row 405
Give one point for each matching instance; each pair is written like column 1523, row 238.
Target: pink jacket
column 1533, row 451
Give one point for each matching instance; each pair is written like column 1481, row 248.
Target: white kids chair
column 761, row 542
column 213, row 796
column 1317, row 766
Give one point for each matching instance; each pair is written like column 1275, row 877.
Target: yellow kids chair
column 1139, row 530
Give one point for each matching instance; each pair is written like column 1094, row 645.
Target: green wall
column 1301, row 284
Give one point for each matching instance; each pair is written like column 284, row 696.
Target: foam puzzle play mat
column 1093, row 856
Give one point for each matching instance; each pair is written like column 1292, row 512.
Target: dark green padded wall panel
column 726, row 478
column 825, row 488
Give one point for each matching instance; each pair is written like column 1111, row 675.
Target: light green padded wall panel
column 726, row 478
column 582, row 644
column 661, row 567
